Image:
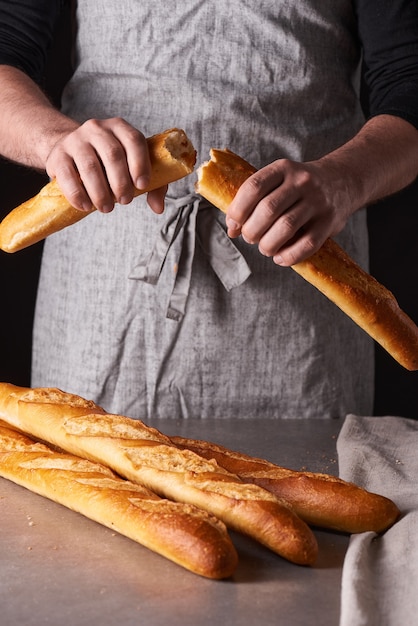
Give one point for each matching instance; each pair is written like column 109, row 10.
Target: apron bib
column 164, row 316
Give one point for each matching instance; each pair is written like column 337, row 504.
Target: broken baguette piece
column 172, row 157
column 331, row 270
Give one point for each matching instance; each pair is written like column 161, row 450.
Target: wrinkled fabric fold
column 191, row 220
column 380, row 572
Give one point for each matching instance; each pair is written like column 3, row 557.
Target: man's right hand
column 96, row 163
column 102, row 162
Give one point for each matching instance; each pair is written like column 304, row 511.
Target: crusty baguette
column 368, row 303
column 331, row 270
column 172, row 157
column 182, row 533
column 319, row 499
column 144, row 455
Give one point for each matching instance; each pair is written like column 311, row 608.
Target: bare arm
column 95, row 163
column 29, row 124
column 290, row 208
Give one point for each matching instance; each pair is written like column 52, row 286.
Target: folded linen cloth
column 380, row 572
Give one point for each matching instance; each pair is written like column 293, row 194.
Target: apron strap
column 189, row 221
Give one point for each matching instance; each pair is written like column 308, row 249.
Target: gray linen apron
column 164, row 315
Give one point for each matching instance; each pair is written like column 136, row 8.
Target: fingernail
column 142, row 182
column 107, row 208
column 125, row 200
column 278, row 259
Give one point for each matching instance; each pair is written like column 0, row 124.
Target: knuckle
column 92, row 124
column 310, row 245
column 126, row 130
column 269, row 207
column 303, row 249
column 88, row 165
column 286, row 164
column 254, row 184
column 133, row 133
column 298, row 175
column 290, row 169
column 290, row 222
column 119, row 121
column 74, row 192
column 303, row 178
column 113, row 153
column 76, row 197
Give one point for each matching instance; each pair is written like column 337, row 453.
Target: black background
column 393, row 226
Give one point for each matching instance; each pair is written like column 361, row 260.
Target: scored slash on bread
column 144, row 455
column 172, row 157
column 319, row 499
column 182, row 533
column 331, row 270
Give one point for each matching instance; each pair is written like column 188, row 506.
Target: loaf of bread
column 331, row 270
column 172, row 157
column 319, row 499
column 182, row 533
column 146, row 456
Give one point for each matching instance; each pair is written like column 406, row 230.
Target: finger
column 136, row 152
column 69, row 181
column 278, row 212
column 156, row 198
column 302, row 246
column 91, row 171
column 107, row 178
column 76, row 153
column 249, row 195
column 283, row 229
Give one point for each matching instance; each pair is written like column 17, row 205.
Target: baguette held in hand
column 331, row 270
column 172, row 157
column 180, row 532
column 144, row 455
column 319, row 499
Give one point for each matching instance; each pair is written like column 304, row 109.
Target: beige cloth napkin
column 380, row 573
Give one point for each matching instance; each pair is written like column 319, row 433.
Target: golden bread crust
column 146, row 456
column 331, row 270
column 172, row 157
column 319, row 499
column 182, row 533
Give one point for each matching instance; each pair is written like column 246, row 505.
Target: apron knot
column 191, row 220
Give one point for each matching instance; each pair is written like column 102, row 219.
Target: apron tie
column 191, row 220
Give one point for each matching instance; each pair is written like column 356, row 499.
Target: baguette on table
column 331, row 270
column 172, row 157
column 319, row 499
column 144, row 455
column 182, row 533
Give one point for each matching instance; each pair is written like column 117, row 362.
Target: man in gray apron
column 165, row 315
